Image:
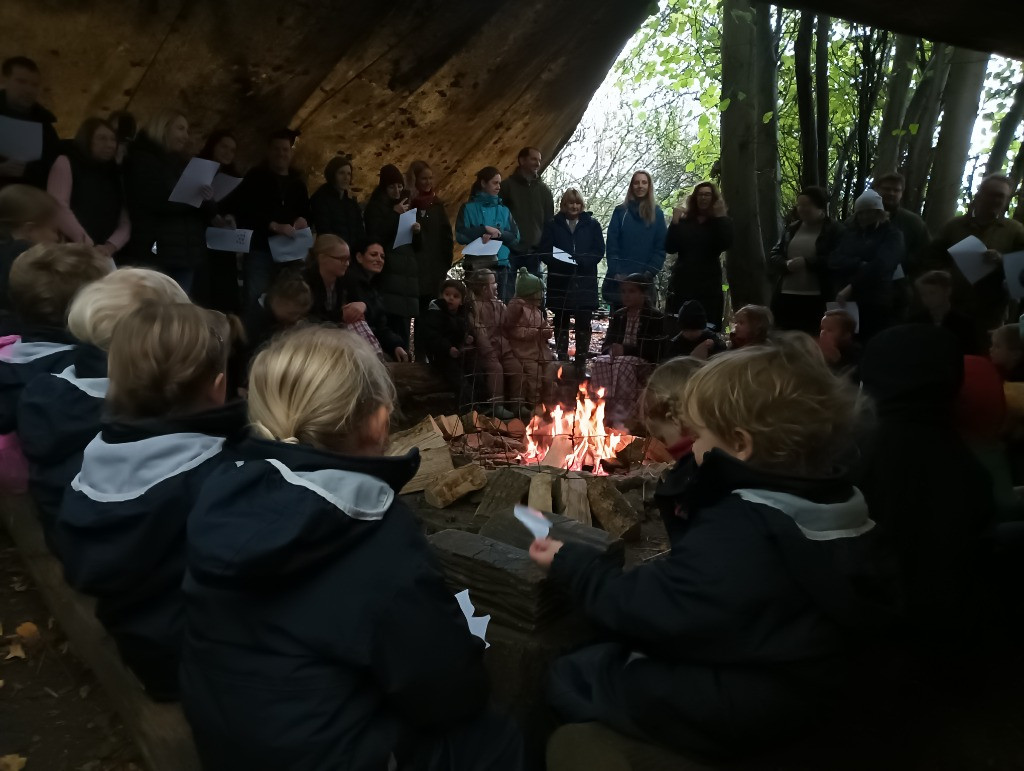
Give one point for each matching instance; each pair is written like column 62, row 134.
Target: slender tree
column 768, row 172
column 1017, row 175
column 922, row 118
column 896, row 101
column 805, row 99
column 1007, row 130
column 822, row 95
column 960, row 113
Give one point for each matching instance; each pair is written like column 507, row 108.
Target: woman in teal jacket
column 636, row 238
column 485, row 217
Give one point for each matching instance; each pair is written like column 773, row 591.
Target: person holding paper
column 86, row 181
column 532, row 206
column 985, row 301
column 168, row 236
column 272, row 200
column 486, row 218
column 636, row 238
column 19, row 100
column 398, row 282
column 218, row 282
column 864, row 261
column 432, row 238
column 333, row 207
column 572, row 288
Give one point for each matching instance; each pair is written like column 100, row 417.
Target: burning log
column 611, row 510
column 455, row 484
column 572, row 494
column 559, row 453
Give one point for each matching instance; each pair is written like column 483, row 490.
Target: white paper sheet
column 898, row 273
column 405, row 222
column 558, row 254
column 199, row 173
column 477, row 625
column 228, row 239
column 533, row 520
column 21, row 140
column 1013, row 267
column 850, row 309
column 223, row 185
column 967, row 255
column 479, row 249
column 288, row 249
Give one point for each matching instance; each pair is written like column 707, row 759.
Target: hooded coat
column 321, row 633
column 572, row 287
column 484, row 210
column 744, row 632
column 120, row 532
column 633, row 246
column 41, row 350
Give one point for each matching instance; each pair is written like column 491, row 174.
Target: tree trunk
column 874, row 53
column 1016, row 174
column 960, row 112
column 745, row 264
column 896, row 99
column 822, row 90
column 768, row 173
column 1007, row 130
column 922, row 118
column 805, row 100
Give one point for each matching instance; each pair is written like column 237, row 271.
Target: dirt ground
column 53, row 714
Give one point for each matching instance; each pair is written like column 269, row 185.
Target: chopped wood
column 455, row 484
column 541, row 497
column 451, row 426
column 573, row 495
column 634, row 452
column 611, row 510
column 516, row 428
column 504, row 490
column 435, row 457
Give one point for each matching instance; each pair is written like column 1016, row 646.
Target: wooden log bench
column 160, row 730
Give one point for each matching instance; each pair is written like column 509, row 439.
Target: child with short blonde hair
column 120, row 531
column 306, row 533
column 502, row 371
column 60, row 413
column 744, row 632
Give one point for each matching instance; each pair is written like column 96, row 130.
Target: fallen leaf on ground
column 14, row 652
column 28, row 632
column 12, row 763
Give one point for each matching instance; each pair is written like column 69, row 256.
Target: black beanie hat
column 390, row 175
column 693, row 316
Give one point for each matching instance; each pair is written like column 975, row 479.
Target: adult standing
column 217, row 281
column 398, row 282
column 699, row 233
column 333, row 207
column 432, row 239
column 636, row 238
column 572, row 286
column 986, row 219
column 863, row 263
column 915, row 232
column 800, row 264
column 169, row 236
column 272, row 200
column 20, row 100
column 532, row 206
column 485, row 217
column 86, row 182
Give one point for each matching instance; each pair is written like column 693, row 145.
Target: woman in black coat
column 217, row 281
column 360, row 288
column 333, row 208
column 572, row 286
column 432, row 239
column 177, row 231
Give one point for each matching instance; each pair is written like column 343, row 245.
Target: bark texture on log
column 611, row 511
column 455, row 484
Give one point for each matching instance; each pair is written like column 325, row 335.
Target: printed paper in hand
column 199, row 173
column 288, row 249
column 20, row 140
column 968, row 257
column 558, row 254
column 405, row 223
column 223, row 185
column 1013, row 267
column 477, row 626
column 228, row 240
column 534, row 521
column 850, row 309
column 479, row 249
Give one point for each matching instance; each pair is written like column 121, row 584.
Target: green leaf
column 913, row 128
column 724, row 104
column 740, row 95
column 767, row 117
column 691, row 166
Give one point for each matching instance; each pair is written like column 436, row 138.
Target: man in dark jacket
column 272, row 200
column 18, row 100
column 531, row 204
column 333, row 207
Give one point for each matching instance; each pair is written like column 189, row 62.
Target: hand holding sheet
column 403, row 235
column 223, row 185
column 20, row 140
column 969, row 256
column 561, row 256
column 533, row 520
column 479, row 249
column 198, row 174
column 291, row 248
column 228, row 240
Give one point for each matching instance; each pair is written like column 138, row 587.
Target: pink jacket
column 488, row 329
column 527, row 331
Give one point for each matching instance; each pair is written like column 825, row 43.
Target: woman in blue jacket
column 320, row 631
column 636, row 237
column 572, row 286
column 485, row 217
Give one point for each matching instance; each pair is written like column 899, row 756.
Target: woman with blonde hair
column 308, row 576
column 636, row 238
column 60, row 413
column 120, row 531
column 167, row 236
column 699, row 233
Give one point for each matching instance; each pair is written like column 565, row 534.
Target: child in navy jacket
column 59, row 413
column 120, row 531
column 743, row 633
column 443, row 331
column 320, row 631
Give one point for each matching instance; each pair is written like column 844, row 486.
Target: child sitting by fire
column 503, row 374
column 443, row 332
column 632, row 347
column 528, row 332
column 751, row 325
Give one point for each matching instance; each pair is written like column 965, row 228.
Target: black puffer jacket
column 337, row 213
column 360, row 288
column 434, row 246
column 177, row 229
column 399, row 282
